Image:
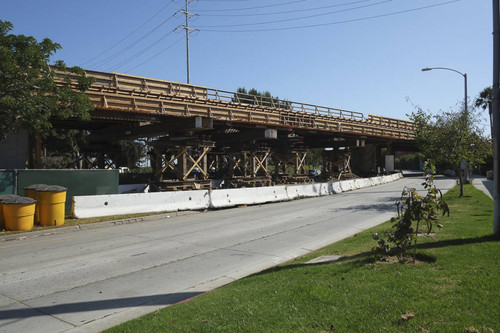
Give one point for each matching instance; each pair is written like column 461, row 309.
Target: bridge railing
column 271, row 102
column 122, row 92
column 391, row 122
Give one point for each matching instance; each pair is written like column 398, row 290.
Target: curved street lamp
column 426, row 69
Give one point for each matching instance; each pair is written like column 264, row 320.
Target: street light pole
column 426, row 69
column 465, row 116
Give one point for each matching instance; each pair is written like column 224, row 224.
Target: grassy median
column 458, row 290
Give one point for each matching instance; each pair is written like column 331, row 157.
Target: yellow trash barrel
column 32, row 192
column 51, row 201
column 2, row 198
column 19, row 213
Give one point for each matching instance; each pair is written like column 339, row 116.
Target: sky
column 358, row 55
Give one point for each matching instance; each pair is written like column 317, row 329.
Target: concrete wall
column 118, row 204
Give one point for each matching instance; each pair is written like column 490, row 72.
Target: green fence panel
column 78, row 182
column 7, row 182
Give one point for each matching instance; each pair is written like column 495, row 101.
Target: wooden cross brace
column 238, row 164
column 300, row 158
column 260, row 163
column 196, row 163
column 169, row 164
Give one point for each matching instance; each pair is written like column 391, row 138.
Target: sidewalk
column 483, row 184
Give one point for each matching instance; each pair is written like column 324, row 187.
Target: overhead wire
column 209, row 28
column 297, row 18
column 135, row 42
column 156, row 55
column 334, row 23
column 137, row 54
column 289, row 11
column 250, row 8
column 130, row 34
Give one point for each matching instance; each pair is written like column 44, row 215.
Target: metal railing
column 281, row 104
column 112, row 91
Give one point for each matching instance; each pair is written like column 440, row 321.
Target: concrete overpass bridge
column 195, row 133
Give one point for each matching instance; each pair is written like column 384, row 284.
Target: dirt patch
column 419, row 260
column 410, row 314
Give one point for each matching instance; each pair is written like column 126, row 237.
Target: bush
column 412, row 209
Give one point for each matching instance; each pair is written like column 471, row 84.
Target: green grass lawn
column 457, row 292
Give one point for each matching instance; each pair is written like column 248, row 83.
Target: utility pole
column 188, row 31
column 496, row 115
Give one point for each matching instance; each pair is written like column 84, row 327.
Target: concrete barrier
column 334, row 188
column 325, row 189
column 374, row 181
column 347, row 185
column 119, row 204
column 247, row 196
column 361, row 183
column 305, row 191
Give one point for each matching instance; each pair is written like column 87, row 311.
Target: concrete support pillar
column 364, row 159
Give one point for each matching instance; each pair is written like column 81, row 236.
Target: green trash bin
column 31, row 191
column 2, row 198
column 19, row 213
column 52, row 201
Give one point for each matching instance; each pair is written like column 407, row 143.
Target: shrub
column 413, row 209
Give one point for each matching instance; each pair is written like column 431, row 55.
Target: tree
column 29, row 97
column 61, row 149
column 485, row 98
column 452, row 138
column 128, row 153
column 259, row 98
column 413, row 209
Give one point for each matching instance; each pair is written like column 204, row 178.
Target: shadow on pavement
column 382, row 207
column 167, row 299
column 488, row 184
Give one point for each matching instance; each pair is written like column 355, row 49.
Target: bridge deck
column 140, row 95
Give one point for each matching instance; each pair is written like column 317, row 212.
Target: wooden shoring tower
column 294, row 161
column 98, row 161
column 180, row 166
column 337, row 165
column 246, row 168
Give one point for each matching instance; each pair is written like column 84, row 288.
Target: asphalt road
column 94, row 278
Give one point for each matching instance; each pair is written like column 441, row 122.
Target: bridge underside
column 189, row 152
column 195, row 134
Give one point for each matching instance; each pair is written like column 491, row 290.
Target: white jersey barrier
column 247, row 196
column 347, row 185
column 119, row 204
column 306, row 191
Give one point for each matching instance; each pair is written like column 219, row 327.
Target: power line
column 289, row 11
column 296, row 18
column 338, row 22
column 156, row 55
column 129, row 59
column 249, row 8
column 114, row 55
column 127, row 36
